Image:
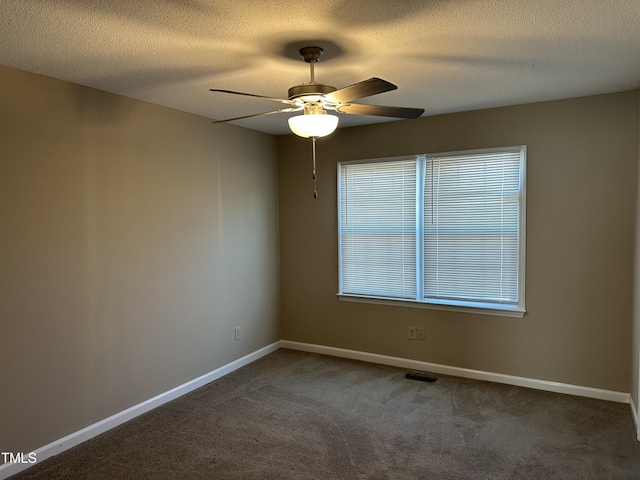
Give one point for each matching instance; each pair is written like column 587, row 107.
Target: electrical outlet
column 422, row 334
column 412, row 333
column 237, row 333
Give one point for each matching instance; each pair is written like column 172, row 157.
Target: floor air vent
column 422, row 376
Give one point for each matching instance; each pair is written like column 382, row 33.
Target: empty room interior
column 151, row 247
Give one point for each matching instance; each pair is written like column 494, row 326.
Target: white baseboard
column 462, row 372
column 73, row 439
column 634, row 413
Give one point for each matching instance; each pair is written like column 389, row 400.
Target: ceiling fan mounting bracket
column 311, row 54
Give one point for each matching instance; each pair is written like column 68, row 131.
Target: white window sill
column 483, row 309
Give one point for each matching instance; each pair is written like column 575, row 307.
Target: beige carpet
column 294, row 415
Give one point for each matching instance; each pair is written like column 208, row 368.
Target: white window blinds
column 377, row 220
column 471, row 227
column 443, row 229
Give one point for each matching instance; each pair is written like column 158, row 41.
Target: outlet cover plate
column 411, row 333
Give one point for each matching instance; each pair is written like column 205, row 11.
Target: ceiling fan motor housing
column 309, row 90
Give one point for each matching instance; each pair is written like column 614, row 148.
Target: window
column 444, row 230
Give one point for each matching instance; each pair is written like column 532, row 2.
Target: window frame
column 484, row 308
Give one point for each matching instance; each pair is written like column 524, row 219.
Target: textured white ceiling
column 444, row 55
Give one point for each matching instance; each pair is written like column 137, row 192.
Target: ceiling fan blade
column 373, row 86
column 282, row 110
column 281, row 100
column 381, row 110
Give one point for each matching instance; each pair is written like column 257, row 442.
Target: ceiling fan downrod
column 312, row 91
column 311, row 55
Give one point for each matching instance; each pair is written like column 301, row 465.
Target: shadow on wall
column 100, row 107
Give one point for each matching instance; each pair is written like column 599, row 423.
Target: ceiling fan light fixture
column 316, row 124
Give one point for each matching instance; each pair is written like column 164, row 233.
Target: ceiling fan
column 314, row 99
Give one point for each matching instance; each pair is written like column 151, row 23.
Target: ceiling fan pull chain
column 313, row 156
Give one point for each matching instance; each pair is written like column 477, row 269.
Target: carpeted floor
column 294, row 415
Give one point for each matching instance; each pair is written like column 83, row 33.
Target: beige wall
column 581, row 184
column 635, row 358
column 133, row 239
